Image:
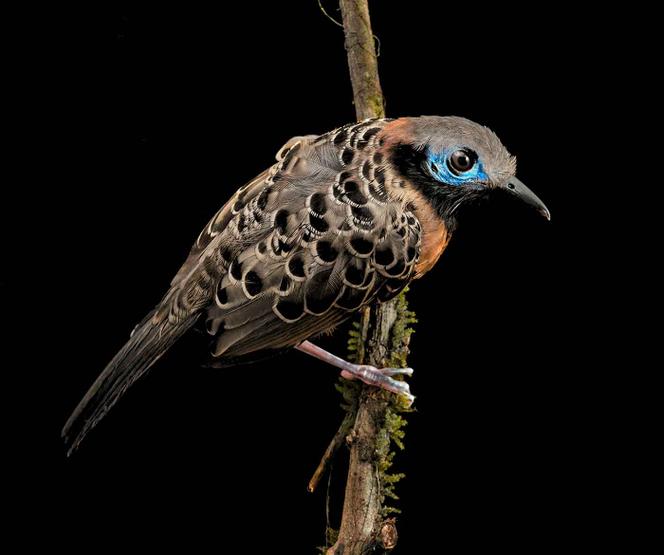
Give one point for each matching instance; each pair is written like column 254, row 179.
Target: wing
column 218, row 244
column 307, row 245
column 293, row 253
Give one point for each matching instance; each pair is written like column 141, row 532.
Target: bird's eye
column 461, row 161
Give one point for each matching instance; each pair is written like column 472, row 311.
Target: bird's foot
column 381, row 377
column 378, row 377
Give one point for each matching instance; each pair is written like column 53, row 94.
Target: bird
column 339, row 221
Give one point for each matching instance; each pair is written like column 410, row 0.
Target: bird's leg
column 379, row 377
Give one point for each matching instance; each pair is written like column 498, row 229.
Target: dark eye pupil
column 461, row 161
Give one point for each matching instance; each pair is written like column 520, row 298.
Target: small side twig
column 337, row 441
column 322, row 9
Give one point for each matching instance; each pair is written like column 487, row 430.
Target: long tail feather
column 147, row 343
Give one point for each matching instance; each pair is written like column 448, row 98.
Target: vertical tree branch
column 362, row 62
column 363, row 525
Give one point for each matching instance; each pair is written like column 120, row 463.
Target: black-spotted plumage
column 289, row 256
column 311, row 262
column 342, row 219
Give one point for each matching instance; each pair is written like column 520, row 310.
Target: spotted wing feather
column 328, row 241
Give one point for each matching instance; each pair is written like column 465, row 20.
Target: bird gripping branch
column 341, row 220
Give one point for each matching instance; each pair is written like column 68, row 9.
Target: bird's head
column 453, row 160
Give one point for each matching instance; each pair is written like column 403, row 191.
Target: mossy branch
column 381, row 338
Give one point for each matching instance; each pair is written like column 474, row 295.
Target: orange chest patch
column 435, row 235
column 435, row 238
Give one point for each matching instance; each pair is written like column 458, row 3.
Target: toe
column 348, row 375
column 400, row 387
column 397, row 371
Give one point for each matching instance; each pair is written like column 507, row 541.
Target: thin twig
column 327, row 507
column 339, row 24
column 322, row 9
column 337, row 441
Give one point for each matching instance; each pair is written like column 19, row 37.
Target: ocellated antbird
column 341, row 220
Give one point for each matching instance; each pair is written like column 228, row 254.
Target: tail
column 147, row 343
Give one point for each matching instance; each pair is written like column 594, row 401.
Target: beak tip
column 518, row 189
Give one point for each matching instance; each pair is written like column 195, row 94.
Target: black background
column 143, row 122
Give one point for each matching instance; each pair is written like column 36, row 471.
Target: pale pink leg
column 379, row 377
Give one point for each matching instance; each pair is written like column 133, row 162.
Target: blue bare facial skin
column 441, row 167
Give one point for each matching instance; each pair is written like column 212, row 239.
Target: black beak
column 518, row 189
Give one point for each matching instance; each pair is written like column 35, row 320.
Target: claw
column 410, row 399
column 400, row 388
